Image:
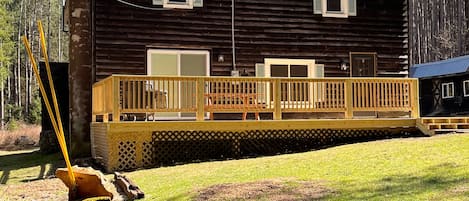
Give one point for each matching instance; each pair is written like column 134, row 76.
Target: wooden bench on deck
column 233, row 102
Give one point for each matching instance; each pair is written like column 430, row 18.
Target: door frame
column 375, row 62
column 311, row 68
column 178, row 53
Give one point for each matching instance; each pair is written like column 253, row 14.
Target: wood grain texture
column 263, row 29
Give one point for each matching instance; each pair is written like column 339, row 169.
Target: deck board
column 262, row 125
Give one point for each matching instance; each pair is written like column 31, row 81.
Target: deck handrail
column 120, row 95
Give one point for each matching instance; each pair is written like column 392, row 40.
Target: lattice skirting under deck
column 128, row 151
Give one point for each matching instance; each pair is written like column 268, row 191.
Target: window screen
column 279, row 70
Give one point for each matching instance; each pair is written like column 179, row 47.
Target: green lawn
column 23, row 166
column 434, row 168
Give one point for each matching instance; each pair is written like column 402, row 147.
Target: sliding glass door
column 178, row 63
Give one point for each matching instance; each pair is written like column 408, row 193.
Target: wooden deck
column 436, row 125
column 177, row 113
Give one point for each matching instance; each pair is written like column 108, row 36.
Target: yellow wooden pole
column 49, row 76
column 59, row 135
column 54, row 96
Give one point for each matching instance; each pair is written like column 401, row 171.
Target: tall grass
column 8, row 137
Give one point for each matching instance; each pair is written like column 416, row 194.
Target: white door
column 289, row 68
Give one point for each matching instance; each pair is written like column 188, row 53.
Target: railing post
column 277, row 100
column 200, row 99
column 348, row 99
column 93, row 103
column 415, row 113
column 116, row 99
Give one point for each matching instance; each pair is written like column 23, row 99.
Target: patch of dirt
column 41, row 190
column 275, row 190
column 459, row 190
column 44, row 190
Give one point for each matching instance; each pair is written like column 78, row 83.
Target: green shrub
column 34, row 116
column 16, row 111
column 13, row 125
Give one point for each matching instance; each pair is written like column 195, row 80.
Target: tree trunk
column 48, row 29
column 9, row 92
column 2, row 102
column 2, row 105
column 59, row 31
column 17, row 76
column 8, row 86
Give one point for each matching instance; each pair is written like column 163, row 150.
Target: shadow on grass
column 178, row 197
column 440, row 179
column 179, row 152
column 31, row 159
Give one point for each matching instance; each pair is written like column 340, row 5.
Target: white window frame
column 312, row 73
column 348, row 8
column 343, row 13
column 178, row 53
column 464, row 88
column 189, row 4
column 445, row 87
column 196, row 4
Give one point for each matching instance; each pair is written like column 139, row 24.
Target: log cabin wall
column 263, row 29
column 459, row 105
column 438, row 30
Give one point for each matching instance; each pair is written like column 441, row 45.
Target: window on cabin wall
column 292, row 91
column 300, row 92
column 448, row 90
column 363, row 64
column 335, row 8
column 466, row 88
column 179, row 4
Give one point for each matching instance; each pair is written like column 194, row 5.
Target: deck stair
column 440, row 125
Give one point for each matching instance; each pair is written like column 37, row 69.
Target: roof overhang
column 449, row 67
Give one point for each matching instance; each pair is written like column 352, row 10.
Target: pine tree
column 18, row 86
column 6, row 56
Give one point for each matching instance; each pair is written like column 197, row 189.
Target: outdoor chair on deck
column 139, row 103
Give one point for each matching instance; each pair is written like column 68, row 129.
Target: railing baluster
column 140, row 94
column 349, row 97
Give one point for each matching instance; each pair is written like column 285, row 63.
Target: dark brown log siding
column 264, row 29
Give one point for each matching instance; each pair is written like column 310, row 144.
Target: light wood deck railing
column 120, row 95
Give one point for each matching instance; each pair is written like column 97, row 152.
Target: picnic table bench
column 233, row 102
